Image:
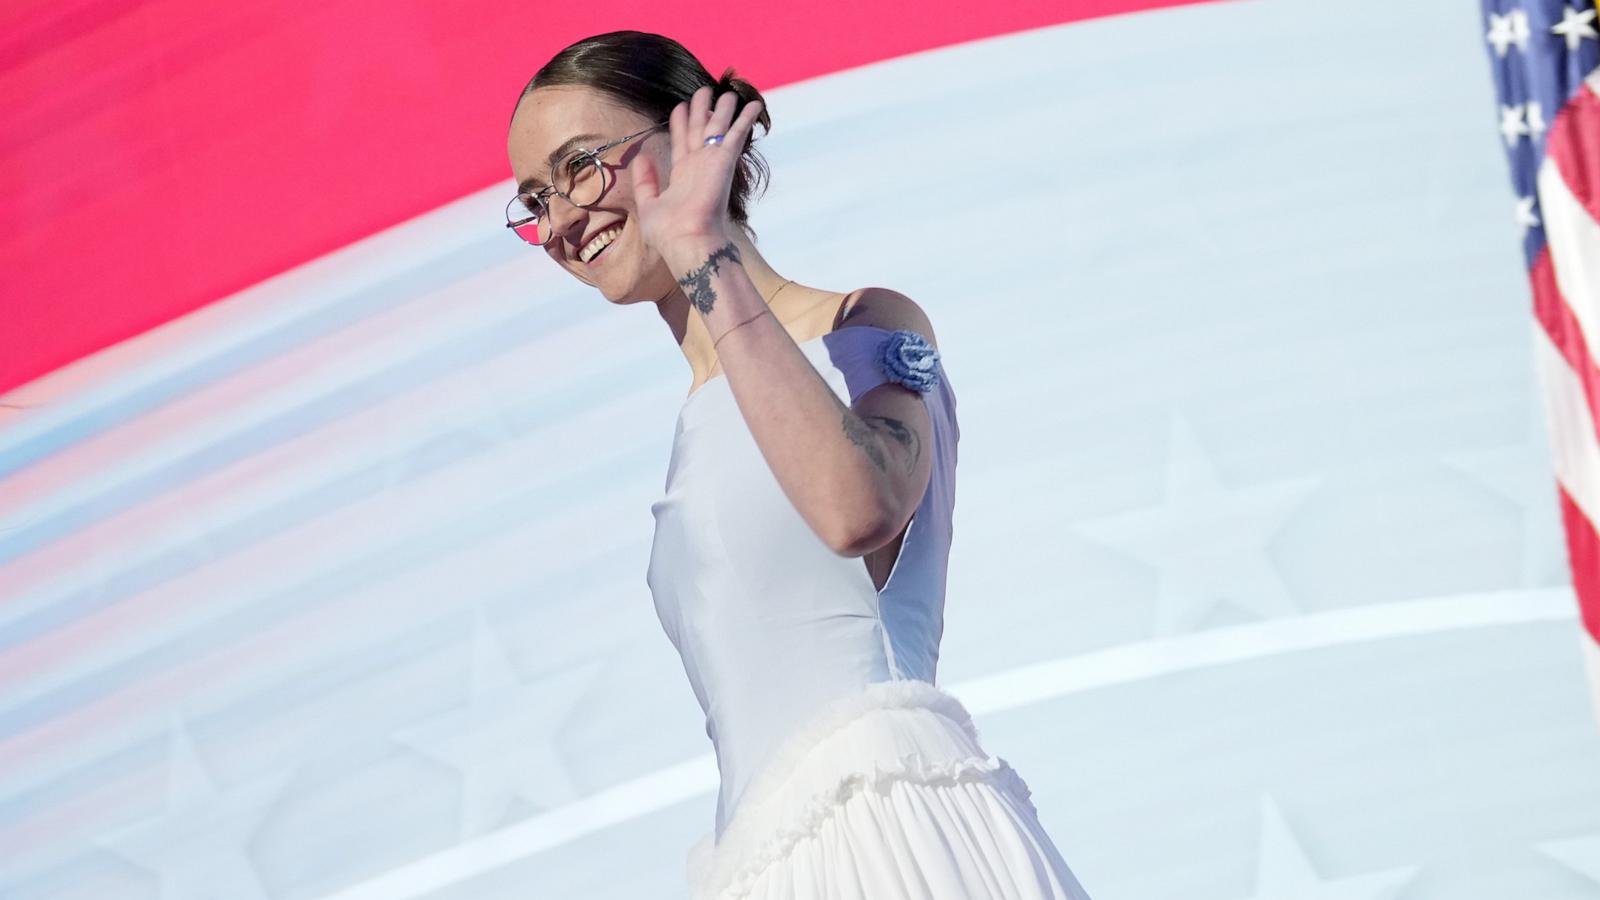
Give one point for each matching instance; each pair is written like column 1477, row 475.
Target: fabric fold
column 884, row 794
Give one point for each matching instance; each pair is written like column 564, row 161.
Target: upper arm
column 896, row 418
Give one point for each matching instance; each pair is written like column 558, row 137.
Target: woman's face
column 544, row 122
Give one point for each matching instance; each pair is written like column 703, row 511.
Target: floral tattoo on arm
column 697, row 284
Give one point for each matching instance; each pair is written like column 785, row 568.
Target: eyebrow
column 567, row 146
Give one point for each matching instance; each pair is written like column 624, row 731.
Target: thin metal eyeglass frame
column 594, row 157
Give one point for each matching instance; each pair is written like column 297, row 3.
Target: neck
column 689, row 328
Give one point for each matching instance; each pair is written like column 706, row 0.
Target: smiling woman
column 605, row 63
column 800, row 551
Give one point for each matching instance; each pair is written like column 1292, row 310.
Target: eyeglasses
column 579, row 176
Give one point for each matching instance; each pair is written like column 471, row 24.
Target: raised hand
column 694, row 205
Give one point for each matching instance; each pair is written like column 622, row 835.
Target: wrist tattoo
column 697, row 284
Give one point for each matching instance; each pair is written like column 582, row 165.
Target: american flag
column 1545, row 55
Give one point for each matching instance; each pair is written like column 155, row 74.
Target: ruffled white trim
column 899, row 694
column 752, row 842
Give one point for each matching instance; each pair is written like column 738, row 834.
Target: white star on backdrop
column 504, row 740
column 1208, row 541
column 1580, row 854
column 1285, row 872
column 1575, row 26
column 1512, row 124
column 197, row 844
column 1526, row 218
column 1521, row 473
column 1509, row 29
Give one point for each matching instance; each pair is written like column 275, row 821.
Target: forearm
column 827, row 460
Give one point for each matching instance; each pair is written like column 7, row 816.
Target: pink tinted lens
column 529, row 232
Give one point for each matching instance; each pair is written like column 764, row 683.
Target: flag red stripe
column 160, row 155
column 1583, row 551
column 1574, row 148
column 1551, row 310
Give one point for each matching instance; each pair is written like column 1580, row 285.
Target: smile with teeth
column 600, row 242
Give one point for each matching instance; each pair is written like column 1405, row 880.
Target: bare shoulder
column 884, row 308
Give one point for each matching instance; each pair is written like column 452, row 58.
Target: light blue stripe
column 580, row 486
column 436, row 361
column 260, row 710
column 427, row 275
column 316, row 500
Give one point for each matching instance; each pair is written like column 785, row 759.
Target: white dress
column 845, row 773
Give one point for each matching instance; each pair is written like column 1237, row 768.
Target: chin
column 630, row 292
column 634, row 286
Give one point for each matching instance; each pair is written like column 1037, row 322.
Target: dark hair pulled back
column 650, row 74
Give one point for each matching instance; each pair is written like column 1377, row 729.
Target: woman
column 800, row 548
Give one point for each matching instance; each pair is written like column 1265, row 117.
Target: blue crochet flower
column 907, row 357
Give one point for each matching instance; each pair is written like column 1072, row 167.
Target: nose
column 565, row 217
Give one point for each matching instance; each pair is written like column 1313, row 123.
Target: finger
column 722, row 113
column 743, row 125
column 646, row 184
column 699, row 112
column 678, row 125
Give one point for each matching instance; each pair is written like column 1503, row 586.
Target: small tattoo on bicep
column 697, row 284
column 860, row 434
column 905, row 436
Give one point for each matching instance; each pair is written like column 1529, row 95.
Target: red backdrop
column 158, row 156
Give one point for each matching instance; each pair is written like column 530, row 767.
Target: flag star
column 1507, row 30
column 199, row 844
column 1575, row 26
column 1283, row 869
column 1536, row 124
column 1207, row 541
column 1512, row 124
column 1500, row 36
column 1526, row 218
column 504, row 741
column 1521, row 32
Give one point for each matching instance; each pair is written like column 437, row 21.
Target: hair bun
column 747, row 92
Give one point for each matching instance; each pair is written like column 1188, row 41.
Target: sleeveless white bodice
column 771, row 624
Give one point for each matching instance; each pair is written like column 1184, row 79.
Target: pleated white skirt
column 885, row 796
